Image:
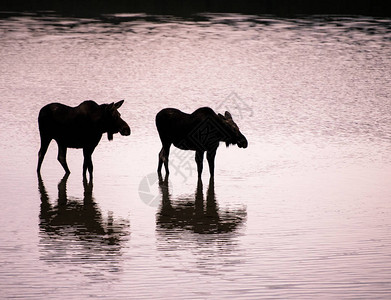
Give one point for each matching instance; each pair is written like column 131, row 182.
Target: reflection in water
column 190, row 227
column 197, row 216
column 76, row 232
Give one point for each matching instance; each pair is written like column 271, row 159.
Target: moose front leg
column 210, row 156
column 87, row 164
column 62, row 157
column 199, row 157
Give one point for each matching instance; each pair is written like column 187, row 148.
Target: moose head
column 113, row 121
column 234, row 136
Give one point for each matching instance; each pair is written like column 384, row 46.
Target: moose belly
column 78, row 140
column 189, row 144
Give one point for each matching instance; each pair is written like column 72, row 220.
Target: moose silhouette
column 78, row 127
column 200, row 131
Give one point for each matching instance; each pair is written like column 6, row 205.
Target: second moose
column 201, row 131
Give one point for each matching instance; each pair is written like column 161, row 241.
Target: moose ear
column 221, row 116
column 119, row 104
column 228, row 115
column 110, row 106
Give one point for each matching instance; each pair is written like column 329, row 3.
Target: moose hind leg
column 42, row 151
column 161, row 160
column 62, row 158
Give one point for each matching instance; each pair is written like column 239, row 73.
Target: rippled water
column 303, row 212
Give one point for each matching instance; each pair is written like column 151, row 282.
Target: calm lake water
column 303, row 212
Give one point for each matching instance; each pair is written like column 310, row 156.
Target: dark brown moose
column 200, row 131
column 78, row 127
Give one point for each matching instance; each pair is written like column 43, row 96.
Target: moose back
column 78, row 127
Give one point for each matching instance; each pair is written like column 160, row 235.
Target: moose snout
column 243, row 143
column 125, row 130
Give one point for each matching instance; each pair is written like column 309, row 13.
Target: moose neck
column 105, row 128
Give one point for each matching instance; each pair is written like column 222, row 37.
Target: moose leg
column 163, row 158
column 62, row 154
column 42, row 151
column 199, row 157
column 87, row 164
column 210, row 156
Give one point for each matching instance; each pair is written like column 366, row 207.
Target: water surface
column 303, row 211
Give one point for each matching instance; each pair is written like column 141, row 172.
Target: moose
column 78, row 127
column 200, row 131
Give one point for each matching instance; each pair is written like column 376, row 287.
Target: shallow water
column 303, row 211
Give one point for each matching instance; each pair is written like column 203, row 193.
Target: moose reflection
column 200, row 131
column 76, row 222
column 78, row 127
column 197, row 215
